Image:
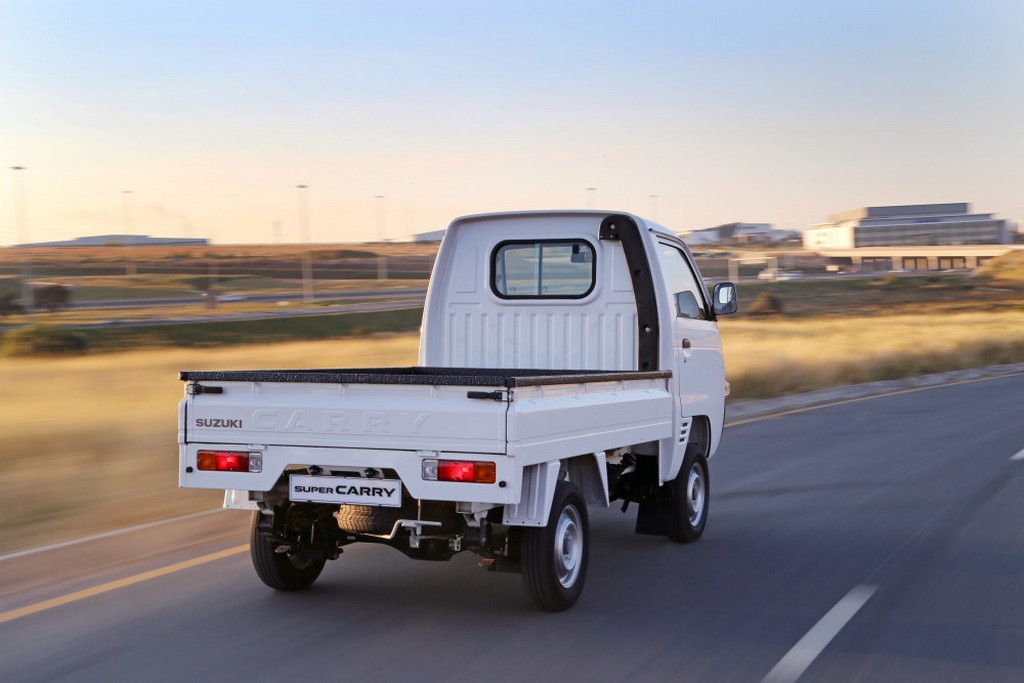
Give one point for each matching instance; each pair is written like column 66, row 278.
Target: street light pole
column 128, row 221
column 307, row 265
column 381, row 229
column 382, row 260
column 590, row 196
column 21, row 223
column 654, row 206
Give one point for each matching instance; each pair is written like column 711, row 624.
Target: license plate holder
column 305, row 488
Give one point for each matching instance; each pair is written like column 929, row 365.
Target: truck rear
column 549, row 381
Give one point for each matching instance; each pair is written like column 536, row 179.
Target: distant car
column 231, row 297
column 779, row 275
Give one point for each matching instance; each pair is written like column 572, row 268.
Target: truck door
column 697, row 365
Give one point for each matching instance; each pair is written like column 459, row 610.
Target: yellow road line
column 848, row 401
column 120, row 583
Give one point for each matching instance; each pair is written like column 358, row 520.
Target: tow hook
column 415, row 527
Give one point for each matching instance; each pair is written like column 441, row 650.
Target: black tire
column 554, row 558
column 280, row 571
column 691, row 498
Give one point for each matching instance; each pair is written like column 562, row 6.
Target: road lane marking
column 120, row 583
column 106, row 534
column 807, row 649
column 1018, row 456
column 848, row 401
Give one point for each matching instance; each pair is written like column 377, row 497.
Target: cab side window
column 681, row 281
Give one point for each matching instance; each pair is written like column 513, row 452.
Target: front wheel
column 691, row 496
column 281, row 571
column 554, row 557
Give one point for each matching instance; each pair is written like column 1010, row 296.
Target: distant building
column 739, row 233
column 432, row 236
column 122, row 240
column 914, row 224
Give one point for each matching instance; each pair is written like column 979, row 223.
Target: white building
column 914, row 224
column 432, row 236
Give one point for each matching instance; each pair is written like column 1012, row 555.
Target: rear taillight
column 229, row 461
column 475, row 471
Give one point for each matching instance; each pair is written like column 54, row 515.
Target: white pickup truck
column 567, row 359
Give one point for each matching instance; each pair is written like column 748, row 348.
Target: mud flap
column 655, row 517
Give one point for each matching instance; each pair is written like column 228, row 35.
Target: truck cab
column 581, row 289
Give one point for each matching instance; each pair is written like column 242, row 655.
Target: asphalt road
column 878, row 539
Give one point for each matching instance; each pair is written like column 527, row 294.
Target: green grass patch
column 43, row 340
column 100, row 293
column 231, row 332
column 928, row 293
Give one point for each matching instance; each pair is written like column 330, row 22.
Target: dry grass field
column 89, row 443
column 787, row 355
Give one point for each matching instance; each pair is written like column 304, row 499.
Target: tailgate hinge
column 493, row 395
column 196, row 389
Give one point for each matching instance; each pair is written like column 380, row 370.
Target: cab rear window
column 543, row 269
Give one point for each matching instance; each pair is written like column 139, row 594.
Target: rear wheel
column 691, row 496
column 284, row 571
column 554, row 557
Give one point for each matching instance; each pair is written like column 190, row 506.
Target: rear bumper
column 406, row 464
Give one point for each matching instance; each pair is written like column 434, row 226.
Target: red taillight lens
column 223, row 461
column 466, row 470
column 454, row 470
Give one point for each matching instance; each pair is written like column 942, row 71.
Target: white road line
column 108, row 534
column 796, row 661
column 1019, row 456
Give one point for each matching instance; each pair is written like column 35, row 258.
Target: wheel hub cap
column 568, row 547
column 695, row 495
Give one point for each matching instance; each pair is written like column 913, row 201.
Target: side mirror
column 725, row 298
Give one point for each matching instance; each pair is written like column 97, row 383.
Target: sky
column 400, row 115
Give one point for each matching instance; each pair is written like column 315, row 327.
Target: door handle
column 685, row 343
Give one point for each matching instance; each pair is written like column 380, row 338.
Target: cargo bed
column 392, row 418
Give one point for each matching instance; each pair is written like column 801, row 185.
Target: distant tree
column 9, row 305
column 51, row 297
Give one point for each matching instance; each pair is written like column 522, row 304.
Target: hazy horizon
column 693, row 114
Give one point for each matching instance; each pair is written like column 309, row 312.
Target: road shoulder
column 736, row 411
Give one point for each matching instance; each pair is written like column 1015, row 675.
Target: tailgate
column 371, row 416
